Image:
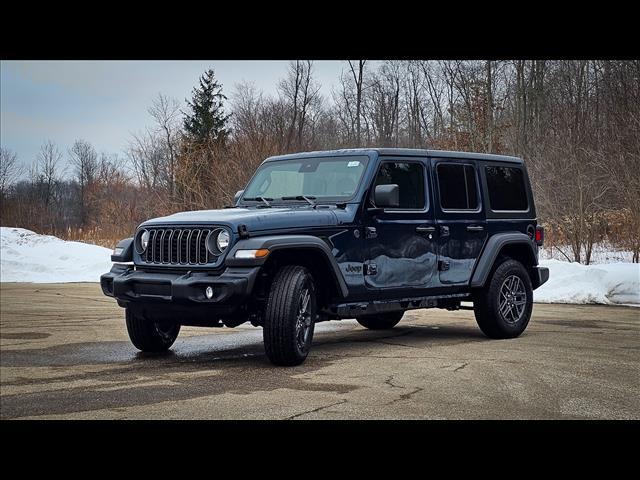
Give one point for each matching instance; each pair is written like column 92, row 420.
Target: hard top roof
column 401, row 152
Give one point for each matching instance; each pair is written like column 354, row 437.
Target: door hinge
column 371, row 232
column 370, row 269
column 443, row 265
column 444, row 230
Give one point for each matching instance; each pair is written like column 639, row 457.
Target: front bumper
column 539, row 275
column 230, row 288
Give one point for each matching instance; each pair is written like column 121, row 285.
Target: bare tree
column 358, row 81
column 301, row 93
column 10, row 170
column 85, row 162
column 146, row 153
column 383, row 104
column 47, row 171
column 349, row 108
column 165, row 111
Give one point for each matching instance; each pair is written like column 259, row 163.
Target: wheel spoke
column 504, row 309
column 304, row 320
column 305, row 300
column 512, row 286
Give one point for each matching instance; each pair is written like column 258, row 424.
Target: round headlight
column 223, row 240
column 144, row 240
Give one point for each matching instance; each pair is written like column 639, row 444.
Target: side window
column 506, row 188
column 409, row 176
column 458, row 187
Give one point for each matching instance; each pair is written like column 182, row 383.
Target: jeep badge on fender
column 439, row 228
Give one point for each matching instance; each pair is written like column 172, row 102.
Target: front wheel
column 290, row 316
column 503, row 307
column 149, row 335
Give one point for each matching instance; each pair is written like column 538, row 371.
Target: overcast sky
column 103, row 102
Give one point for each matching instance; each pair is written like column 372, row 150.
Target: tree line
column 576, row 124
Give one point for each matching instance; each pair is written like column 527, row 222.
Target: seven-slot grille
column 178, row 246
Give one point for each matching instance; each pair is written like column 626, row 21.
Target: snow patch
column 26, row 256
column 609, row 284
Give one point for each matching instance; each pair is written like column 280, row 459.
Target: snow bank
column 613, row 283
column 26, row 256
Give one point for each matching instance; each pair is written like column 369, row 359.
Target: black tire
column 288, row 325
column 148, row 335
column 381, row 321
column 493, row 322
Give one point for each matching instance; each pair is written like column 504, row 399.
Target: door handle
column 424, row 229
column 475, row 228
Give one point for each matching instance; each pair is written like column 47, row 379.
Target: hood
column 256, row 219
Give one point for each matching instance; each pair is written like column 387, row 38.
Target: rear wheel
column 149, row 335
column 503, row 307
column 380, row 321
column 290, row 316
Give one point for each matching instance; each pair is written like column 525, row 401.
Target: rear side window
column 458, row 187
column 409, row 176
column 506, row 188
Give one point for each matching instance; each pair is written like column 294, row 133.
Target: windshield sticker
column 353, row 164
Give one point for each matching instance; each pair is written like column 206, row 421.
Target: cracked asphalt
column 65, row 354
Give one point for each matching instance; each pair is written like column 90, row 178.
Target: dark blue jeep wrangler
column 364, row 233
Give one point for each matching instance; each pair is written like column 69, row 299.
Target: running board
column 349, row 310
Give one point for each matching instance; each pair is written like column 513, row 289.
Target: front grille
column 178, row 246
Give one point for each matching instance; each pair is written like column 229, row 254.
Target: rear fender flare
column 491, row 251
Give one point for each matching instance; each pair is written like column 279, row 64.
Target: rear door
column 461, row 219
column 401, row 245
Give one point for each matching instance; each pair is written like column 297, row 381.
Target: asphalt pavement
column 65, row 354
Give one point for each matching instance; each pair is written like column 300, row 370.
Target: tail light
column 539, row 235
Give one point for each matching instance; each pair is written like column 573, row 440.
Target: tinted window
column 409, row 176
column 458, row 189
column 506, row 188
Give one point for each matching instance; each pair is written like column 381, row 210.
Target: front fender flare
column 126, row 254
column 283, row 242
column 492, row 249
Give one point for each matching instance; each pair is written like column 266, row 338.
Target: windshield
column 321, row 178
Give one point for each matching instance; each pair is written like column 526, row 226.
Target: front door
column 401, row 246
column 462, row 225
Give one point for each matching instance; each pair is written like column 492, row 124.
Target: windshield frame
column 318, row 200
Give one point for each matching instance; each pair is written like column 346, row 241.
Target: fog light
column 209, row 292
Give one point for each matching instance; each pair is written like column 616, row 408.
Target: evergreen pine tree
column 206, row 121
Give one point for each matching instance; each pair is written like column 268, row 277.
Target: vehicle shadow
column 205, row 350
column 243, row 348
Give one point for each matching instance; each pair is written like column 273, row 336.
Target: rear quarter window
column 506, row 187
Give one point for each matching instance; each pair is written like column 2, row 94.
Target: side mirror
column 237, row 196
column 387, row 196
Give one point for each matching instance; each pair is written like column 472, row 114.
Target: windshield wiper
column 260, row 199
column 308, row 198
